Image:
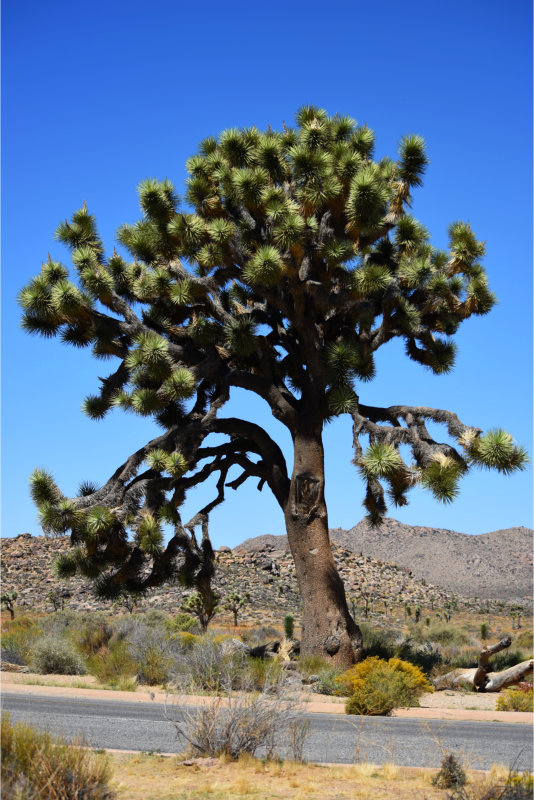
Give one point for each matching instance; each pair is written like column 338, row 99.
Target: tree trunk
column 327, row 627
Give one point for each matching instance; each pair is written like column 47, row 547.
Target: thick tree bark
column 327, row 626
column 481, row 678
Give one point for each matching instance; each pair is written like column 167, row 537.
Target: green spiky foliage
column 293, row 258
column 202, row 605
column 234, row 602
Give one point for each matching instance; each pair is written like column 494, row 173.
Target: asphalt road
column 332, row 738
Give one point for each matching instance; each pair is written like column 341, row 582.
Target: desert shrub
column 12, row 656
column 243, row 722
column 440, row 633
column 459, row 657
column 376, row 642
column 208, row 666
column 507, row 658
column 152, row 617
column 153, row 650
column 379, row 686
column 18, row 638
column 261, row 672
column 52, row 655
column 185, row 639
column 525, row 640
column 518, row 786
column 94, row 635
column 427, row 655
column 260, row 635
column 62, row 623
column 181, row 622
column 451, row 774
column 515, row 699
column 113, row 666
column 37, row 766
column 324, row 674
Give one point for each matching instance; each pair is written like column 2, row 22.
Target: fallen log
column 481, row 677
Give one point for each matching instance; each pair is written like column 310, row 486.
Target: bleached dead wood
column 481, row 677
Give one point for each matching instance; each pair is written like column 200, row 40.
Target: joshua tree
column 293, row 261
column 56, row 599
column 448, row 608
column 516, row 612
column 128, row 601
column 201, row 605
column 234, row 603
column 417, row 615
column 7, row 599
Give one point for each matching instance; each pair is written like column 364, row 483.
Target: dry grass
column 146, row 777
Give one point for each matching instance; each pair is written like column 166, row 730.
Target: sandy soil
column 439, row 705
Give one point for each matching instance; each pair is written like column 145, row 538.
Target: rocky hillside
column 261, row 568
column 394, row 565
column 492, row 565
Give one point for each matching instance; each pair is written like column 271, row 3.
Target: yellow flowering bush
column 378, row 686
column 515, row 700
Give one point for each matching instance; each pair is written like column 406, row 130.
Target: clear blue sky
column 97, row 96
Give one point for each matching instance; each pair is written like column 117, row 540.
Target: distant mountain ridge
column 490, row 565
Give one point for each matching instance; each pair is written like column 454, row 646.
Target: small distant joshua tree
column 516, row 613
column 353, row 606
column 55, row 599
column 417, row 613
column 8, row 601
column 202, row 606
column 129, row 601
column 234, row 603
column 484, row 631
column 447, row 611
column 407, row 610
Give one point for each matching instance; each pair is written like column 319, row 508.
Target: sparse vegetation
column 451, row 774
column 38, row 766
column 240, row 723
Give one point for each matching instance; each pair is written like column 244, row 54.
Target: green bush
column 326, row 673
column 94, row 635
column 376, row 642
column 380, row 686
column 507, row 658
column 37, row 765
column 260, row 672
column 441, row 633
column 515, row 700
column 289, row 626
column 52, row 655
column 181, row 622
column 153, row 649
column 525, row 640
column 113, row 666
column 18, row 638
